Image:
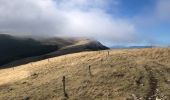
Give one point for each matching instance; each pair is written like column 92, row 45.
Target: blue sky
column 113, row 22
column 130, row 8
column 159, row 30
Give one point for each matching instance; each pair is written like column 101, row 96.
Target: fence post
column 64, row 87
column 31, row 64
column 90, row 70
column 108, row 52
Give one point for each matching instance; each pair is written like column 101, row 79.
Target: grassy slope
column 121, row 75
column 15, row 48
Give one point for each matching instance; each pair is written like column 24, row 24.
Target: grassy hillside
column 129, row 74
column 15, row 48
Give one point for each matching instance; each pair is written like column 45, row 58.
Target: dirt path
column 151, row 95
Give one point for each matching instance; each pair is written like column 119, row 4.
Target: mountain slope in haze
column 15, row 48
column 131, row 47
column 128, row 74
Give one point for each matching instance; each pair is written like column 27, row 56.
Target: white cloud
column 28, row 16
column 99, row 25
column 64, row 18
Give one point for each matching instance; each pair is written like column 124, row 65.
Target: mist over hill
column 17, row 48
column 131, row 47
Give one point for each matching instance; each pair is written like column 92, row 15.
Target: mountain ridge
column 18, row 48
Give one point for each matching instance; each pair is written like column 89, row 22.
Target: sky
column 112, row 22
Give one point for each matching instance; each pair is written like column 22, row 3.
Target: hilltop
column 128, row 74
column 13, row 49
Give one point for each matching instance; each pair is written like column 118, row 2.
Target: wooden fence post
column 90, row 70
column 31, row 64
column 64, row 87
column 108, row 52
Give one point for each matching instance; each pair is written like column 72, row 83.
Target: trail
column 153, row 82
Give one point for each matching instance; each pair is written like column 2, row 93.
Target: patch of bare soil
column 151, row 95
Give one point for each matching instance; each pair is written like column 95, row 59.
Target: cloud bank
column 78, row 18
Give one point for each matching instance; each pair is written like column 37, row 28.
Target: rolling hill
column 128, row 74
column 17, row 48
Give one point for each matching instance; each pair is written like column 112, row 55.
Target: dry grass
column 121, row 75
